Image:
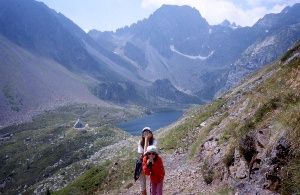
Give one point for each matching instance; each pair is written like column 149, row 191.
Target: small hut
column 78, row 124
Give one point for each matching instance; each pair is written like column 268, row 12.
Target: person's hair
column 151, row 140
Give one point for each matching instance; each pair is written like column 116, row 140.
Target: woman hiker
column 146, row 140
column 153, row 166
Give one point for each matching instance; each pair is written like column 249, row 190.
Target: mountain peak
column 225, row 23
column 289, row 15
column 291, row 8
column 173, row 10
column 177, row 7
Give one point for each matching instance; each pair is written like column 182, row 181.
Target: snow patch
column 210, row 31
column 198, row 57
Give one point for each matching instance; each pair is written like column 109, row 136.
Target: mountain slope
column 279, row 32
column 50, row 41
column 248, row 140
column 245, row 142
column 30, row 84
column 176, row 43
column 43, row 31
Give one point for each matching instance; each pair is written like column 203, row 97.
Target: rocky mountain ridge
column 177, row 43
column 195, row 57
column 30, row 30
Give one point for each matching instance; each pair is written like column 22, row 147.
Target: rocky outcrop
column 252, row 168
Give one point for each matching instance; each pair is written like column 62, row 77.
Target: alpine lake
column 155, row 121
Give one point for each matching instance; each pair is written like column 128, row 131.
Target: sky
column 109, row 15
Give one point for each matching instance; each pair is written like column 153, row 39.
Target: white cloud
column 215, row 11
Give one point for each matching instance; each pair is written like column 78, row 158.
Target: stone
column 129, row 185
column 203, row 124
column 241, row 171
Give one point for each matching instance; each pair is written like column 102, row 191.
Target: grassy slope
column 107, row 176
column 35, row 147
column 265, row 101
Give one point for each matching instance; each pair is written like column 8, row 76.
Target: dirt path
column 182, row 177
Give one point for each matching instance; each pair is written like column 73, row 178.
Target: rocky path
column 182, row 177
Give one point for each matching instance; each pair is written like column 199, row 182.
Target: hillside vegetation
column 246, row 141
column 249, row 137
column 36, row 150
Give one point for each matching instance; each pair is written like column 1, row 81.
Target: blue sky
column 112, row 14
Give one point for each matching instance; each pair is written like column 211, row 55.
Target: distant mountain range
column 177, row 43
column 173, row 58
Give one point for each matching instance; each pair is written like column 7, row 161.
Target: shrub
column 270, row 105
column 207, row 173
column 245, row 128
column 228, row 159
column 291, row 178
column 291, row 120
column 230, row 131
column 225, row 190
column 247, row 147
column 176, row 135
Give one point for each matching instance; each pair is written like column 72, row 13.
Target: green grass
column 229, row 155
column 195, row 147
column 278, row 101
column 208, row 173
column 290, row 120
column 173, row 139
column 108, row 176
column 87, row 183
column 226, row 190
column 229, row 131
column 291, row 178
column 51, row 138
